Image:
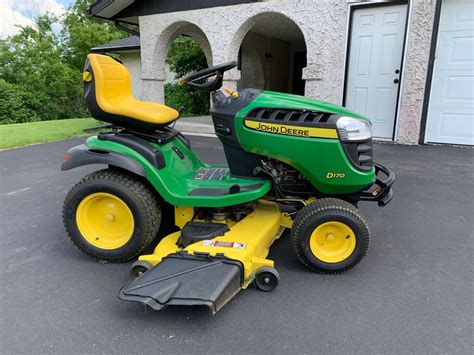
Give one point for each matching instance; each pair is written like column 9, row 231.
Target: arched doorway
column 272, row 53
column 183, row 48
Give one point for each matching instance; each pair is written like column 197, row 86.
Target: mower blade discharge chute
column 187, row 280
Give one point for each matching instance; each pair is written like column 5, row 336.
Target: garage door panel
column 458, row 90
column 461, row 49
column 456, row 126
column 451, row 106
column 456, row 50
column 455, row 90
column 458, row 13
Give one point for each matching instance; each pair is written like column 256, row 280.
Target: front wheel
column 330, row 236
column 112, row 215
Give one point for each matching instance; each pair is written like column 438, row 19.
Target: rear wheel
column 112, row 215
column 330, row 236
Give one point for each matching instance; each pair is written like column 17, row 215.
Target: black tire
column 141, row 199
column 329, row 210
column 267, row 279
column 139, row 267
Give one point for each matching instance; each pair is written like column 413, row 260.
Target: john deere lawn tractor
column 293, row 163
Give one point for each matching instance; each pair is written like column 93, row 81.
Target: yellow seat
column 113, row 100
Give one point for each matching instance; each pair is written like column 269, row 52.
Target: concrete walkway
column 196, row 125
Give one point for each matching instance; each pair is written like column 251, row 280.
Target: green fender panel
column 177, row 182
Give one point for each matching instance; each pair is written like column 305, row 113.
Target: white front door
column 375, row 57
column 451, row 106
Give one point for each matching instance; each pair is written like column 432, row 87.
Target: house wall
column 422, row 14
column 133, row 63
column 324, row 26
column 257, row 71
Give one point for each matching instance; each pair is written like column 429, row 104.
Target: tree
column 186, row 56
column 41, row 71
column 81, row 32
column 32, row 60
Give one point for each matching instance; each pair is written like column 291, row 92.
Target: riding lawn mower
column 293, row 163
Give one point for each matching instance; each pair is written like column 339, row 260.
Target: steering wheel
column 198, row 80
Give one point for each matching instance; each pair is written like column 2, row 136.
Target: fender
column 83, row 155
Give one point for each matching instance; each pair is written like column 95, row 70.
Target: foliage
column 41, row 71
column 82, row 32
column 16, row 105
column 186, row 56
column 32, row 61
column 191, row 103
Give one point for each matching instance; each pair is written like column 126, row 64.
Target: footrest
column 188, row 280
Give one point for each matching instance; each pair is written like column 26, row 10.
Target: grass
column 20, row 134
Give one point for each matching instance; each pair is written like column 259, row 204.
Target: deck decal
column 220, row 243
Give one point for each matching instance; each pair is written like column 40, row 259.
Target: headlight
column 354, row 129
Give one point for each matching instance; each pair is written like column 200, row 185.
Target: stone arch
column 168, row 35
column 281, row 46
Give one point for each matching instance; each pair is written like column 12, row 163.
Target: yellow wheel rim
column 105, row 221
column 332, row 242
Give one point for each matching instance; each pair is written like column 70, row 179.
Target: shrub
column 194, row 103
column 17, row 104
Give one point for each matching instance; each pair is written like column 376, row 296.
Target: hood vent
column 288, row 115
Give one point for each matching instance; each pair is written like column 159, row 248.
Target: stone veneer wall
column 133, row 63
column 220, row 31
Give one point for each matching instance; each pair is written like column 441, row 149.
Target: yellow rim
column 105, row 221
column 332, row 242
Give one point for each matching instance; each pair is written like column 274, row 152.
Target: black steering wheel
column 198, row 80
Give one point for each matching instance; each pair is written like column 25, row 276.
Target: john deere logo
column 288, row 130
column 282, row 130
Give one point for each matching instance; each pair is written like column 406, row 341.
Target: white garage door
column 375, row 56
column 451, row 106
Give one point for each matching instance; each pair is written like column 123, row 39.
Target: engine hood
column 272, row 99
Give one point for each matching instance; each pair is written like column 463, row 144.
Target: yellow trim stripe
column 288, row 130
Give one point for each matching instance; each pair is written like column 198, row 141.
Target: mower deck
column 210, row 271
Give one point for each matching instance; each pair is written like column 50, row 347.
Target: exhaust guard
column 187, row 280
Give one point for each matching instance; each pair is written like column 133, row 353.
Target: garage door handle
column 396, row 81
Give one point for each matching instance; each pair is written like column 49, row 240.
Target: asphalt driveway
column 412, row 292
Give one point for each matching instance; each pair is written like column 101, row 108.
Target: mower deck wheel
column 266, row 279
column 139, row 267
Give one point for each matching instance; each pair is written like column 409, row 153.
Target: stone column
column 230, row 79
column 415, row 71
column 153, row 85
column 312, row 75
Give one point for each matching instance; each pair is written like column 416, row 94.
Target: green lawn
column 17, row 135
